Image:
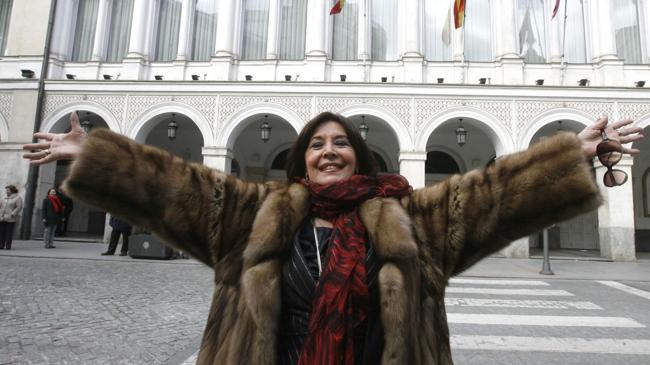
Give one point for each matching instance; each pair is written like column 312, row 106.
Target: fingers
column 630, row 151
column 601, row 123
column 36, row 146
column 74, row 121
column 622, row 123
column 46, row 159
column 36, row 155
column 631, row 138
column 44, row 135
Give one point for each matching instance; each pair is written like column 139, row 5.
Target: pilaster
column 218, row 158
column 411, row 166
column 616, row 215
column 273, row 30
column 185, row 30
column 102, row 30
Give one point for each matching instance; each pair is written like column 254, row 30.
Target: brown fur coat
column 243, row 231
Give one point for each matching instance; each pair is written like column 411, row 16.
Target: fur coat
column 243, row 231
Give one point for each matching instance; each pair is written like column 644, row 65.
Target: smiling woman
column 339, row 265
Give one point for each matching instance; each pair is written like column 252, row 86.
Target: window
column 384, row 30
column 625, row 19
column 84, row 34
column 205, row 29
column 478, row 31
column 256, row 20
column 437, row 18
column 169, row 21
column 120, row 31
column 532, row 38
column 439, row 162
column 346, row 32
column 293, row 18
column 5, row 15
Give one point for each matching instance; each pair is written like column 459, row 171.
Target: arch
column 453, row 165
column 391, row 121
column 142, row 124
column 268, row 162
column 501, row 139
column 233, row 127
column 50, row 120
column 549, row 117
column 4, row 129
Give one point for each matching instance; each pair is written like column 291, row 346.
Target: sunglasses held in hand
column 610, row 153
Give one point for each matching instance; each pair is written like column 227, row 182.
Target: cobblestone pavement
column 100, row 312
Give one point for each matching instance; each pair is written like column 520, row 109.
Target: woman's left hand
column 620, row 131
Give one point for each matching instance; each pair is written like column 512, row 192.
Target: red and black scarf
column 341, row 297
column 56, row 203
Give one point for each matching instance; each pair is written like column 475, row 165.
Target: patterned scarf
column 341, row 297
column 56, row 203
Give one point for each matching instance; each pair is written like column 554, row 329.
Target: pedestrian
column 10, row 208
column 119, row 227
column 52, row 214
column 300, row 268
column 68, row 205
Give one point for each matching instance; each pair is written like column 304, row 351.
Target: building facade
column 220, row 69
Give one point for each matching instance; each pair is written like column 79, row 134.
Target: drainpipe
column 32, row 176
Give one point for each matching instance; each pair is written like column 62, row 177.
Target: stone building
column 220, row 69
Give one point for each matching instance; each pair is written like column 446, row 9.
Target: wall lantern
column 461, row 133
column 265, row 130
column 172, row 127
column 640, row 83
column 70, row 76
column 28, row 74
column 86, row 124
column 583, row 82
column 363, row 128
column 539, row 82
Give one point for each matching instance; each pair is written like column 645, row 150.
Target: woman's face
column 330, row 156
column 51, row 192
column 8, row 192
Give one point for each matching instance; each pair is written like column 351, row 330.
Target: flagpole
column 462, row 54
column 562, row 63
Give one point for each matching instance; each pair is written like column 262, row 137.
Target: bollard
column 546, row 265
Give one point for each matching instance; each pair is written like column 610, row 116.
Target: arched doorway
column 446, row 156
column 84, row 221
column 259, row 160
column 580, row 234
column 641, row 188
column 187, row 143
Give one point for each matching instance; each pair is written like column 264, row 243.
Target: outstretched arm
column 191, row 207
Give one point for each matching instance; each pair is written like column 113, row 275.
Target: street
column 74, row 307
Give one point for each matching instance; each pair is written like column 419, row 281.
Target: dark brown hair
column 296, row 159
column 12, row 188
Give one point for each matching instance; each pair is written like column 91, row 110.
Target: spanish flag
column 459, row 13
column 337, row 7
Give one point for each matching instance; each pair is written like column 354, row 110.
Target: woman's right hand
column 57, row 146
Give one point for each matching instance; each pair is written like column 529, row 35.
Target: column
column 218, row 158
column 602, row 30
column 411, row 166
column 185, row 30
column 139, row 31
column 616, row 215
column 272, row 32
column 102, row 29
column 363, row 42
column 555, row 35
column 316, row 28
column 225, row 28
column 410, row 19
column 506, row 20
column 644, row 9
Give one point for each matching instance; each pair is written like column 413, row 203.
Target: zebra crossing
column 533, row 317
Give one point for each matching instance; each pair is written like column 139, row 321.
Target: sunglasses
column 609, row 154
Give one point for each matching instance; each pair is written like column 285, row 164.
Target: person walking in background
column 52, row 214
column 10, row 207
column 119, row 227
column 62, row 227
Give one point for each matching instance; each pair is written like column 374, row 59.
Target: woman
column 52, row 215
column 338, row 266
column 10, row 208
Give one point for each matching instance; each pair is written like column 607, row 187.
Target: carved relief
column 527, row 111
column 633, row 110
column 229, row 105
column 401, row 107
column 425, row 109
column 138, row 104
column 6, row 103
column 54, row 102
column 594, row 109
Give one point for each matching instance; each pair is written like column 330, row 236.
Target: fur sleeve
column 191, row 207
column 470, row 216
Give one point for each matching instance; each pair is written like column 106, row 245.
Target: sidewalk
column 76, row 250
column 494, row 267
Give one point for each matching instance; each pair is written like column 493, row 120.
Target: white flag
column 446, row 29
